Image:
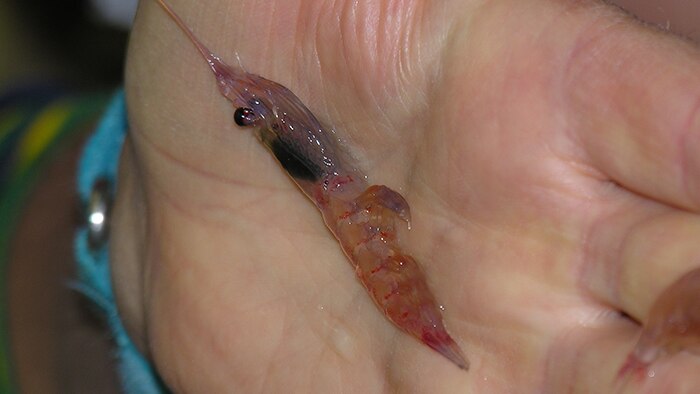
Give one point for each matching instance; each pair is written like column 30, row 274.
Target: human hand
column 548, row 150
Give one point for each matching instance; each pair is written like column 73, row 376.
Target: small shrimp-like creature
column 673, row 325
column 363, row 218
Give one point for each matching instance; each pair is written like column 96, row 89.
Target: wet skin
column 549, row 153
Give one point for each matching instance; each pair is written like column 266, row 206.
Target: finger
column 635, row 103
column 679, row 16
column 635, row 250
column 588, row 360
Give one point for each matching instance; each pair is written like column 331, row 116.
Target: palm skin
column 548, row 151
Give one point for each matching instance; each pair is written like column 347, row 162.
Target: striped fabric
column 35, row 123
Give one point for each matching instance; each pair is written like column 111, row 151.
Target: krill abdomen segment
column 673, row 324
column 674, row 320
column 367, row 229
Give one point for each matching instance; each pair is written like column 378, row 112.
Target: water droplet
column 442, row 308
column 344, row 343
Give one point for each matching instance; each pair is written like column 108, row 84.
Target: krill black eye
column 244, row 116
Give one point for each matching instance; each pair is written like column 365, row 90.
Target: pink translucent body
column 366, row 227
column 363, row 218
column 673, row 325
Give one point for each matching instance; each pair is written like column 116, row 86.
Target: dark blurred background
column 74, row 43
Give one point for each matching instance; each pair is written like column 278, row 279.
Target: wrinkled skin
column 550, row 152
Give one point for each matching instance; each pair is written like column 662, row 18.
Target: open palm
column 550, row 152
